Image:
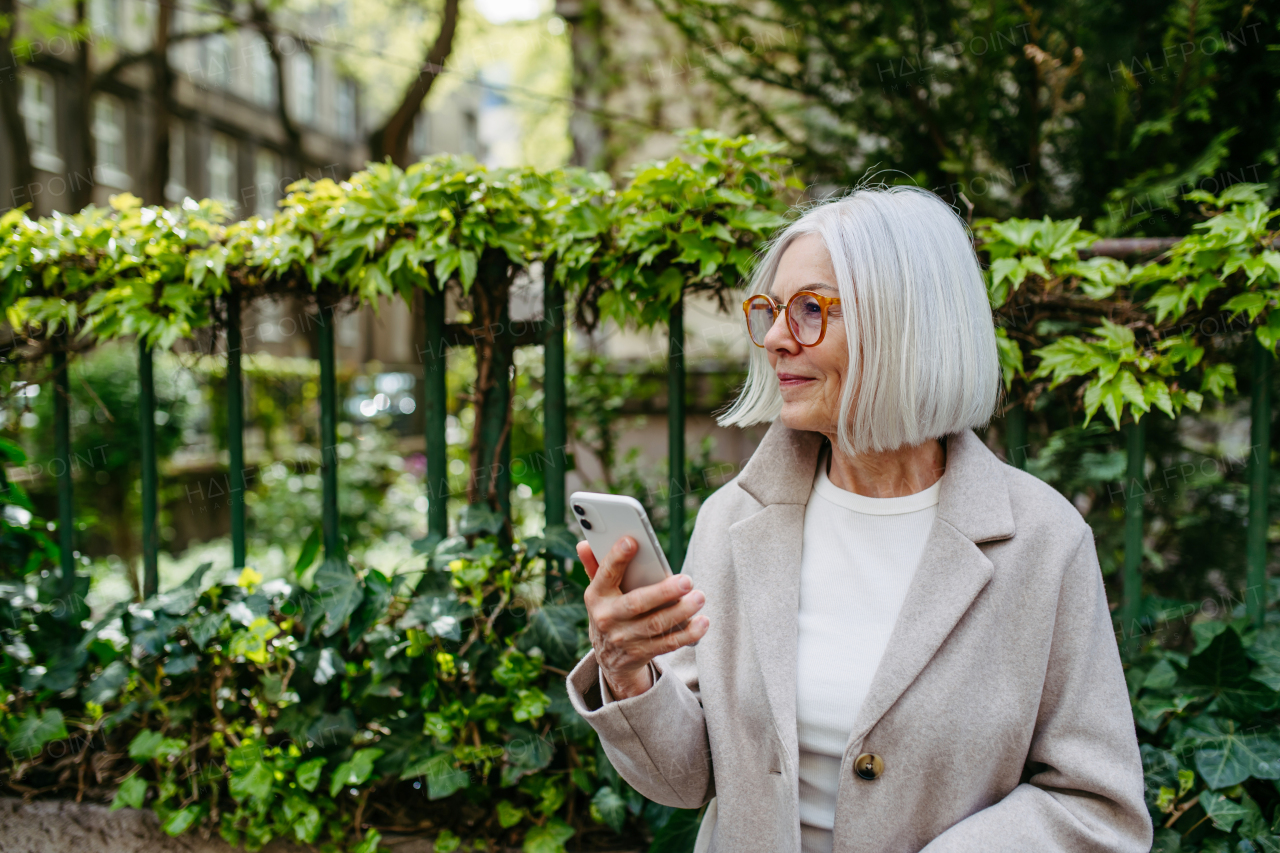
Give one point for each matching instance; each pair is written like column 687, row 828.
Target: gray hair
column 923, row 361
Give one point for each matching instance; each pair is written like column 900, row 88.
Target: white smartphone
column 605, row 519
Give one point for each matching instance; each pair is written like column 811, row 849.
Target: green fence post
column 1259, row 487
column 1131, row 606
column 62, row 452
column 147, row 442
column 1015, row 424
column 235, row 429
column 555, row 432
column 434, row 373
column 675, row 435
column 329, row 432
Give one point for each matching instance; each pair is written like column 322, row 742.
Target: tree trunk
column 590, row 79
column 392, row 139
column 21, row 173
column 293, row 164
column 81, row 159
column 157, row 178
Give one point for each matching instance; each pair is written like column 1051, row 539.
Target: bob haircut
column 923, row 361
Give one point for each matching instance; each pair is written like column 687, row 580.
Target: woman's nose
column 779, row 337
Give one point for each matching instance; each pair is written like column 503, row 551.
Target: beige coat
column 999, row 709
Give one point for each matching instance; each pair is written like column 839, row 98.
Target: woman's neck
column 890, row 474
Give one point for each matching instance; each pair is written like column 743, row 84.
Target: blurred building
column 228, row 137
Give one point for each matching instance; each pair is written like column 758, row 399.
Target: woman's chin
column 799, row 416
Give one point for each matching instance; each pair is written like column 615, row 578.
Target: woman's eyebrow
column 817, row 285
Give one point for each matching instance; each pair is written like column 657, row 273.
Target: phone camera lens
column 579, row 510
column 586, row 524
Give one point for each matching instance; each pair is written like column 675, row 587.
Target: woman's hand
column 629, row 630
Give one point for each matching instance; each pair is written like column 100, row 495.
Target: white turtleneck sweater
column 859, row 556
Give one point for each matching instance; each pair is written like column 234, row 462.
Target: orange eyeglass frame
column 825, row 302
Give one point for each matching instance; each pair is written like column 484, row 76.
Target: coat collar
column 973, row 497
column 973, row 507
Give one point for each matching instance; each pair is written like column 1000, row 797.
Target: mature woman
column 884, row 638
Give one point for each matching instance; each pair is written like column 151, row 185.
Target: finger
column 640, row 601
column 614, row 565
column 668, row 619
column 697, row 629
column 588, row 559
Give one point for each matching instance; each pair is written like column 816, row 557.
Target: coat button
column 868, row 765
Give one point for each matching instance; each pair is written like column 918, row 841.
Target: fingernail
column 628, row 544
column 684, row 583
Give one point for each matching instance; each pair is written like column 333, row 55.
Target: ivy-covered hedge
column 323, row 708
column 335, row 705
column 1208, row 720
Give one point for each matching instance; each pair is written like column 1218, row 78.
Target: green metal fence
column 435, row 353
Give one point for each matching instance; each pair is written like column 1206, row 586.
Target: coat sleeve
column 1084, row 784
column 657, row 741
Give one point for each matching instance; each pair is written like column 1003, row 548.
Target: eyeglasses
column 806, row 316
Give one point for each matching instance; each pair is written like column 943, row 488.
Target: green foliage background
column 308, row 707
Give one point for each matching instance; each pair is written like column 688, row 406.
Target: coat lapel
column 766, row 556
column 973, row 507
column 766, row 559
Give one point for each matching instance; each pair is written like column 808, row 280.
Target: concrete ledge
column 63, row 826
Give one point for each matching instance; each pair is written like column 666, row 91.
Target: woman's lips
column 793, row 380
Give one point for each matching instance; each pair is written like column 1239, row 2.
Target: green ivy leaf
column 339, row 593
column 34, row 731
column 370, row 844
column 530, row 705
column 443, row 778
column 438, row 615
column 202, row 629
column 479, row 518
column 308, row 774
column 355, row 772
column 508, row 814
column 1223, row 812
column 131, row 793
column 612, row 809
column 1227, row 755
column 147, row 745
column 179, row 600
column 526, row 752
column 254, row 783
column 310, row 550
column 447, row 842
column 106, row 685
column 1224, row 668
column 554, row 629
column 549, row 838
column 303, row 817
column 180, row 821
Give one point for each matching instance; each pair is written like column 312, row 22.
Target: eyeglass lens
column 804, row 316
column 760, row 319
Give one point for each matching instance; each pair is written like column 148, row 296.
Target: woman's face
column 811, row 377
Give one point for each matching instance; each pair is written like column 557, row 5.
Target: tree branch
column 124, row 60
column 392, row 139
column 262, row 22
